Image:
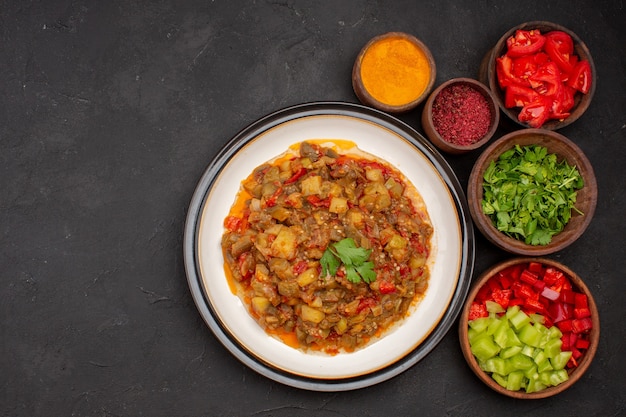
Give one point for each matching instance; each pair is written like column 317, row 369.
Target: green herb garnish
column 354, row 260
column 529, row 195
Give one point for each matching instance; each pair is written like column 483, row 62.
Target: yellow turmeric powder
column 395, row 71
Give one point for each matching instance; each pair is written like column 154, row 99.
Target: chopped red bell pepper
column 535, row 267
column 580, row 300
column 581, row 313
column 582, row 325
column 502, row 297
column 582, row 344
column 568, row 296
column 528, row 276
column 565, row 325
column 477, row 310
column 552, row 275
column 534, row 306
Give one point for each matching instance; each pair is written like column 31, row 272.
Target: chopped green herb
column 354, row 260
column 529, row 195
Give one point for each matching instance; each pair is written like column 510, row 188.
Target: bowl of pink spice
column 460, row 115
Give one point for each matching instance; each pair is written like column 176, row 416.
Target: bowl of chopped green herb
column 532, row 192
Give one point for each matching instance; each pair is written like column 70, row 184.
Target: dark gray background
column 109, row 113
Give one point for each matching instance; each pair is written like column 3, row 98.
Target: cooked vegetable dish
column 327, row 250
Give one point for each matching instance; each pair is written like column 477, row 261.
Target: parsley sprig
column 529, row 195
column 353, row 258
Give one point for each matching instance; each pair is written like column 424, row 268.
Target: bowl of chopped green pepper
column 529, row 328
column 532, row 192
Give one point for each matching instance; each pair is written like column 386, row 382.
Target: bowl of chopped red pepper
column 530, row 328
column 532, row 192
column 542, row 75
column 460, row 115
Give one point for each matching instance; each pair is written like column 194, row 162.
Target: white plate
column 451, row 258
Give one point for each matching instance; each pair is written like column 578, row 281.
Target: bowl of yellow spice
column 394, row 72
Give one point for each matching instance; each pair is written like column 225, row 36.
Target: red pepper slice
column 524, row 42
column 386, row 287
column 536, row 113
column 580, row 77
column 296, row 176
column 559, row 46
column 318, row 202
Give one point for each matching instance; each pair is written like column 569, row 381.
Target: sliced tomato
column 504, row 72
column 524, row 42
column 580, row 77
column 559, row 46
column 232, row 223
column 563, row 102
column 524, row 66
column 536, row 113
column 518, row 96
column 547, row 79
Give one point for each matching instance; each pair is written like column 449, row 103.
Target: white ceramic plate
column 380, row 135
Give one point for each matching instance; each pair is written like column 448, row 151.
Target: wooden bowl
column 556, row 144
column 583, row 363
column 387, row 73
column 429, row 125
column 487, row 74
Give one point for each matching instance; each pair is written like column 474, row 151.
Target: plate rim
column 266, row 123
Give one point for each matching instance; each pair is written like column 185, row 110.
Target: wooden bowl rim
column 432, row 133
column 586, row 199
column 575, row 375
column 583, row 101
column 364, row 95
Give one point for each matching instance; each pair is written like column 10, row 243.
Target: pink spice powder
column 461, row 114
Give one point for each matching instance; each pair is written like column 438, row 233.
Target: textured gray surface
column 109, row 114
